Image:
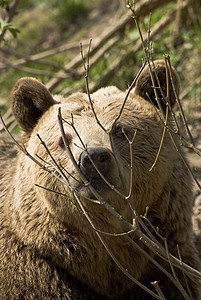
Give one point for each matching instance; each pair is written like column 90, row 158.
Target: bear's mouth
column 96, row 183
column 100, row 185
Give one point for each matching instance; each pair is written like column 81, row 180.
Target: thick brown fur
column 47, row 249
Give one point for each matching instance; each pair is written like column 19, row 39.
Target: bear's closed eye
column 123, row 132
column 68, row 141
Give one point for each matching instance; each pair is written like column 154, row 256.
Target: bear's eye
column 61, row 141
column 121, row 131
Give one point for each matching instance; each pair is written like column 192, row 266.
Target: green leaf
column 14, row 31
column 9, row 26
column 5, row 2
column 2, row 24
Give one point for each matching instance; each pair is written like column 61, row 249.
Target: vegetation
column 45, row 25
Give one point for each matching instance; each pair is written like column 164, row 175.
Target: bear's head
column 114, row 152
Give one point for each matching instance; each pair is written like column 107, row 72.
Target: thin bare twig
column 50, row 190
column 23, row 149
column 157, row 287
column 149, row 48
column 179, row 255
column 162, row 139
column 126, row 97
column 131, row 161
column 170, row 263
column 55, row 164
column 86, row 68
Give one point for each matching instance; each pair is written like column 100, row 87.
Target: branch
column 65, row 75
column 37, row 57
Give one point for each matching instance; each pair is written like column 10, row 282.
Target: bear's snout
column 95, row 158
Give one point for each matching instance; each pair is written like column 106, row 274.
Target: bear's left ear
column 144, row 85
column 30, row 99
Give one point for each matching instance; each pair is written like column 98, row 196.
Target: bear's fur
column 48, row 250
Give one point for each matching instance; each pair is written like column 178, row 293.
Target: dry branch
column 39, row 56
column 42, row 72
column 16, row 65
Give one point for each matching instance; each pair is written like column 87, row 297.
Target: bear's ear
column 30, row 99
column 144, row 85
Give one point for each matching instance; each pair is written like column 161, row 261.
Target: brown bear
column 67, row 199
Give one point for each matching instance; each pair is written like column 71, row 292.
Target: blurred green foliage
column 4, row 3
column 63, row 9
column 45, row 24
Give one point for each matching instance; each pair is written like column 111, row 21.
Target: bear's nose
column 101, row 158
